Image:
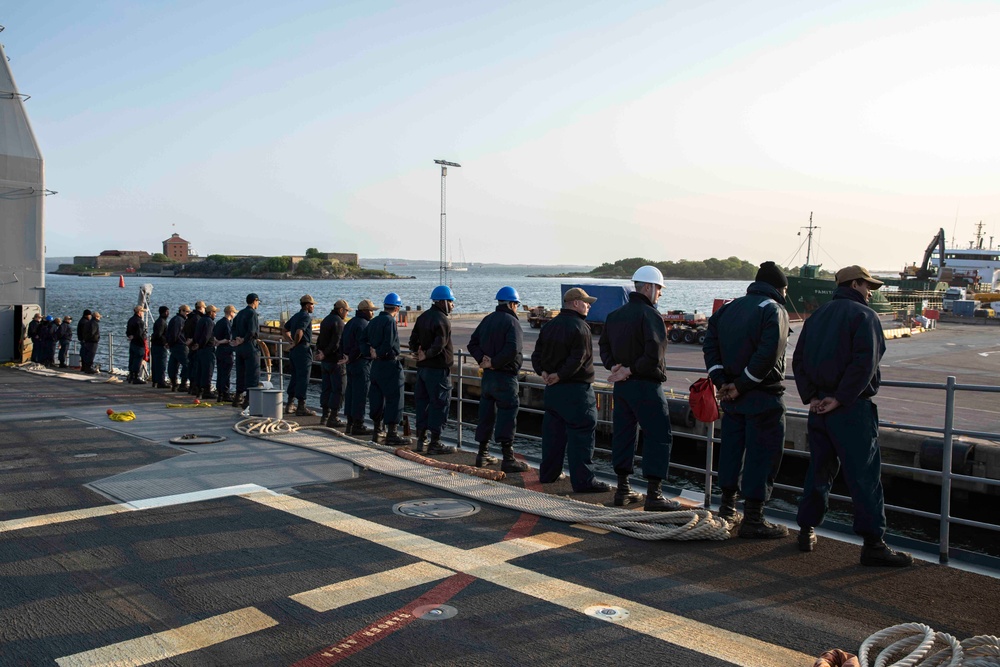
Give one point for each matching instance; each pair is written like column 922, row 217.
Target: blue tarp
column 609, row 298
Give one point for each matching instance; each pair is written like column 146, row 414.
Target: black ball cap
column 252, row 297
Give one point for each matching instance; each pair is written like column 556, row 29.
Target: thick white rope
column 916, row 644
column 695, row 524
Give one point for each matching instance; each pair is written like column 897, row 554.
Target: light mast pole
column 443, row 267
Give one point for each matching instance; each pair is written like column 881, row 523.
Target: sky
column 587, row 131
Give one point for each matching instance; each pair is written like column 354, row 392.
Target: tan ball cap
column 341, row 304
column 578, row 293
column 306, row 299
column 366, row 304
column 849, row 273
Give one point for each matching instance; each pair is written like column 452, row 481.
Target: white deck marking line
column 61, row 517
column 170, row 643
column 489, row 564
column 370, row 586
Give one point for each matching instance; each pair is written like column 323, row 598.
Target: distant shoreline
column 209, row 277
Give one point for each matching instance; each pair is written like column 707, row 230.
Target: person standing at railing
column 47, row 339
column 88, row 332
column 836, row 364
column 330, row 354
column 158, row 348
column 178, row 349
column 65, row 335
column 564, row 358
column 36, row 347
column 298, row 331
column 246, row 332
column 194, row 365
column 385, row 395
column 633, row 347
column 497, row 345
column 135, row 331
column 205, row 341
column 223, row 334
column 430, row 342
column 744, row 353
column 358, row 368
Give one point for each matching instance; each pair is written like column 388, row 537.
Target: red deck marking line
column 386, row 625
column 526, row 522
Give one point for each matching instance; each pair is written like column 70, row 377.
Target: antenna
column 443, row 267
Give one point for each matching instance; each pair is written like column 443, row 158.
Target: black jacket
column 88, row 330
column 839, row 350
column 565, row 347
column 432, row 333
column 223, row 330
column 191, row 325
column 64, row 332
column 382, row 336
column 351, row 340
column 136, row 328
column 746, row 340
column 499, row 337
column 33, row 327
column 331, row 331
column 175, row 330
column 246, row 325
column 203, row 332
column 159, row 337
column 635, row 337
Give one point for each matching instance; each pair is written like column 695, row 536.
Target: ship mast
column 809, row 238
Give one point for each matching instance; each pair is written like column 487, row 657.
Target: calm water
column 474, row 291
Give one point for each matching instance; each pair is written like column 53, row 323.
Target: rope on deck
column 913, row 644
column 695, row 524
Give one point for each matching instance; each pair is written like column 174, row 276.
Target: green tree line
column 732, row 268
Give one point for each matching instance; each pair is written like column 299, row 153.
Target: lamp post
column 443, row 267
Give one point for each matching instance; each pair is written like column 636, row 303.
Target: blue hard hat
column 508, row 294
column 392, row 299
column 442, row 293
column 48, row 318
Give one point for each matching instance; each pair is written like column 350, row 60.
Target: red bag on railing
column 702, row 400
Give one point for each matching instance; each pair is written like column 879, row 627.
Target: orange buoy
column 121, row 281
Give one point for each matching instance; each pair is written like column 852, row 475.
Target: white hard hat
column 648, row 274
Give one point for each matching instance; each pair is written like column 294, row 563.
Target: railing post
column 709, row 455
column 111, row 353
column 459, row 383
column 946, row 457
column 281, row 366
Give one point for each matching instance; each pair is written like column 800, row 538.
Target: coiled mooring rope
column 916, row 644
column 694, row 524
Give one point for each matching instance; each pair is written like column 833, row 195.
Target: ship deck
column 113, row 548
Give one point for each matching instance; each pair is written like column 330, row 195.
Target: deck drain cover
column 193, row 439
column 436, row 508
column 606, row 613
column 435, row 612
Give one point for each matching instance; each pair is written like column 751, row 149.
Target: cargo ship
column 914, row 291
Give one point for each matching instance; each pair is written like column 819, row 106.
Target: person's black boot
column 807, row 539
column 435, row 446
column 376, row 429
column 877, row 553
column 290, row 407
column 325, row 416
column 194, row 390
column 727, row 507
column 359, row 428
column 509, row 463
column 303, row 410
column 209, row 395
column 237, row 400
column 421, row 440
column 183, row 386
column 756, row 527
column 624, row 495
column 245, row 401
column 333, row 421
column 394, row 439
column 483, row 458
column 655, row 502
